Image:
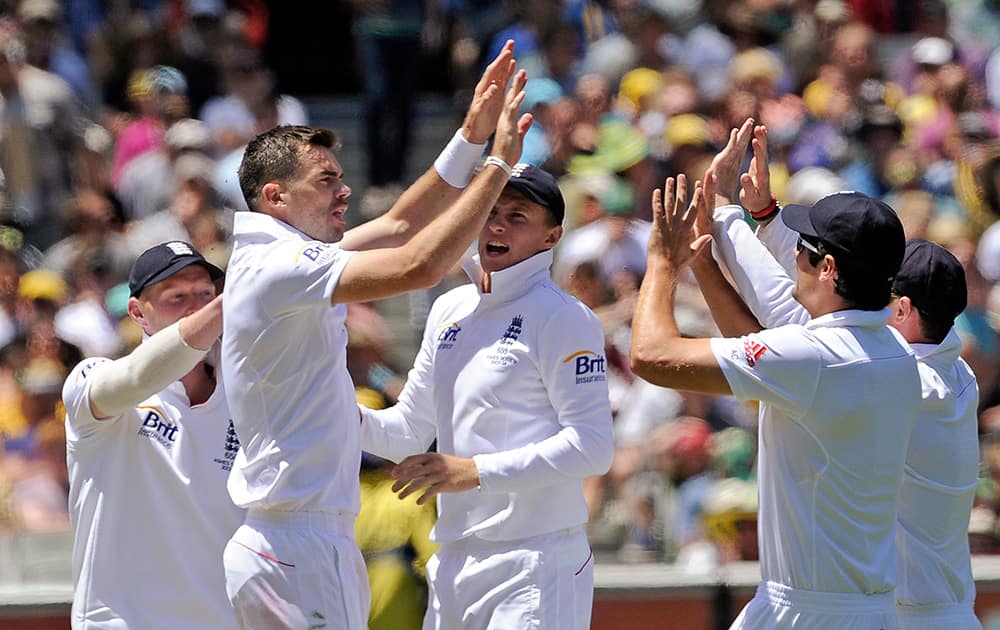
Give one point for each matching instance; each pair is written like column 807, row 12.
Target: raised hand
column 727, row 163
column 488, row 98
column 673, row 240
column 434, row 473
column 756, row 182
column 705, row 209
column 509, row 139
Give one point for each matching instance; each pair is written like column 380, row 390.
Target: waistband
column 824, row 602
column 338, row 522
column 949, row 611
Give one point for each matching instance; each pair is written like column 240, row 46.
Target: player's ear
column 135, row 312
column 553, row 236
column 271, row 193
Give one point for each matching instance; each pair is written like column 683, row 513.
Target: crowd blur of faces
column 122, row 126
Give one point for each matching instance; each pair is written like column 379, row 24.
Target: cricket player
column 510, row 379
column 935, row 586
column 838, row 398
column 294, row 562
column 149, row 446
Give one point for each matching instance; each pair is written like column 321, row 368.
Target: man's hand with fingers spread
column 489, row 97
column 434, row 473
column 673, row 240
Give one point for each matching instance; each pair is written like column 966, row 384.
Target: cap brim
column 214, row 272
column 797, row 218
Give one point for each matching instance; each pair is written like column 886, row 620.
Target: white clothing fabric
column 779, row 607
column 839, row 397
column 515, row 379
column 297, row 570
column 284, row 359
column 149, row 508
column 545, row 582
column 951, row 616
column 942, row 461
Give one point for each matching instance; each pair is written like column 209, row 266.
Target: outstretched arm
column 765, row 285
column 728, row 309
column 659, row 354
column 432, row 252
column 435, row 191
column 159, row 361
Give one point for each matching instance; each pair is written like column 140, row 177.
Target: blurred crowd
column 122, row 125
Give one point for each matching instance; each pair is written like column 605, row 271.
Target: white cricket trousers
column 949, row 616
column 779, row 607
column 297, row 570
column 542, row 582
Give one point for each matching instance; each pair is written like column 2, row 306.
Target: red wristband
column 766, row 213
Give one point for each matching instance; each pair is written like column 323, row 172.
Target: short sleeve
column 80, row 421
column 302, row 276
column 780, row 366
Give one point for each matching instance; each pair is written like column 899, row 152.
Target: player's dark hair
column 860, row 288
column 276, row 154
column 934, row 330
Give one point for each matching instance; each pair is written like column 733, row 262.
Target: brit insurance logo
column 448, row 335
column 588, row 366
column 156, row 426
column 229, row 449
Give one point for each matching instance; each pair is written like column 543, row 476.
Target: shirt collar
column 247, row 223
column 851, row 317
column 946, row 352
column 514, row 281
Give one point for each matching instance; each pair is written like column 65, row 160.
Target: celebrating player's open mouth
column 496, row 248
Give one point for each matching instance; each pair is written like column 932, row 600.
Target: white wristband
column 457, row 162
column 497, row 161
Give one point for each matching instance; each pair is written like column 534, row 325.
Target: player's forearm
column 439, row 247
column 729, row 311
column 156, row 363
column 779, row 239
column 654, row 325
column 762, row 283
column 659, row 355
column 203, row 328
column 389, row 434
column 574, row 453
column 433, row 192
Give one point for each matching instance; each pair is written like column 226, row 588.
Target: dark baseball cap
column 162, row 261
column 540, row 187
column 933, row 279
column 859, row 231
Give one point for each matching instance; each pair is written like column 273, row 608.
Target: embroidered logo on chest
column 501, row 357
column 229, row 449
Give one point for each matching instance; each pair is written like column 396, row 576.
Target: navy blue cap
column 933, row 279
column 162, row 261
column 859, row 231
column 538, row 186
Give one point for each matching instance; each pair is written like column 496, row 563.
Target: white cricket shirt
column 284, row 360
column 839, row 397
column 942, row 459
column 515, row 379
column 150, row 511
column 942, row 469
